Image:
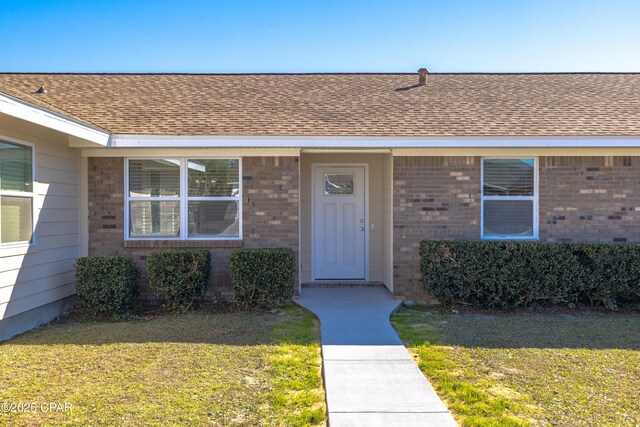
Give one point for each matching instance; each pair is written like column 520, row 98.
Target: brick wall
column 434, row 198
column 580, row 199
column 270, row 217
column 589, row 199
column 271, row 196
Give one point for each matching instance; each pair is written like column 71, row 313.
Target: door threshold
column 342, row 284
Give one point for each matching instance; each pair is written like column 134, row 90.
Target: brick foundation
column 270, row 217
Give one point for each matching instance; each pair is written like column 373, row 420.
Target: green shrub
column 515, row 274
column 106, row 284
column 179, row 276
column 262, row 277
column 499, row 274
column 611, row 272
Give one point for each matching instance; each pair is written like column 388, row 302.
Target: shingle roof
column 38, row 101
column 342, row 104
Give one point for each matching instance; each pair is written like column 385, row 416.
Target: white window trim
column 183, row 199
column 19, row 248
column 534, row 198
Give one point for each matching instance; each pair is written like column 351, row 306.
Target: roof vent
column 41, row 90
column 422, row 76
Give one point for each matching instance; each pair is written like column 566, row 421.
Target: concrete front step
column 342, row 284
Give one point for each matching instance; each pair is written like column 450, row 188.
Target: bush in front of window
column 106, row 285
column 262, row 277
column 506, row 274
column 512, row 274
column 179, row 276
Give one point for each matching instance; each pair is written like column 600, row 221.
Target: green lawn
column 574, row 369
column 189, row 369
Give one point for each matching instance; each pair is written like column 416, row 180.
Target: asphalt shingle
column 589, row 104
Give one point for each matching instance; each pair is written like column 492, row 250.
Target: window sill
column 169, row 244
column 509, row 238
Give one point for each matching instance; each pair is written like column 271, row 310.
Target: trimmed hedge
column 106, row 284
column 262, row 277
column 179, row 276
column 611, row 273
column 518, row 274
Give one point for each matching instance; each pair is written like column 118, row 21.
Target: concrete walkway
column 370, row 378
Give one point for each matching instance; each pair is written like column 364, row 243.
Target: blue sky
column 320, row 36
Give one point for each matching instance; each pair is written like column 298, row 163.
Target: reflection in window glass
column 16, row 167
column 16, row 219
column 154, row 178
column 508, row 218
column 213, row 177
column 208, row 208
column 508, row 177
column 16, row 193
column 214, row 218
column 154, row 219
column 338, row 184
column 508, row 198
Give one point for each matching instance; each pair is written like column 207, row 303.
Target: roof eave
column 357, row 142
column 49, row 119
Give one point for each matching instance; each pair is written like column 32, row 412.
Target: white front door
column 339, row 222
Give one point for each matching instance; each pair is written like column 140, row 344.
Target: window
column 16, row 193
column 509, row 198
column 338, row 184
column 178, row 198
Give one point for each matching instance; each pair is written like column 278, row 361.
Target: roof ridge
column 364, row 73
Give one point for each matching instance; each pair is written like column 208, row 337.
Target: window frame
column 534, row 199
column 183, row 199
column 6, row 248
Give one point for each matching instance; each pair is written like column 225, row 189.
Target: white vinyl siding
column 183, row 198
column 32, row 275
column 509, row 198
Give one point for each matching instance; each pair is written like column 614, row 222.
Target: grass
column 234, row 369
column 571, row 369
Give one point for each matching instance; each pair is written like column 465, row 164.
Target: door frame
column 315, row 166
